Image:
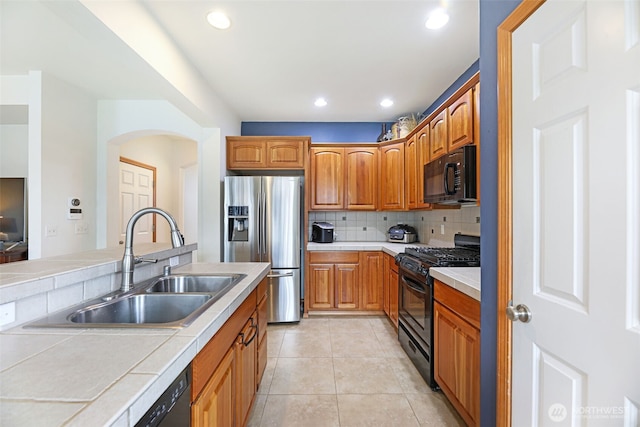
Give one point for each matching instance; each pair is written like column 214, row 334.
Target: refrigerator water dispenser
column 238, row 222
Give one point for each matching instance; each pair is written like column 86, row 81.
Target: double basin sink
column 171, row 301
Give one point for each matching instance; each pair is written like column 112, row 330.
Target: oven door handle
column 417, row 289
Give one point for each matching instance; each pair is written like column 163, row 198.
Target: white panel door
column 576, row 214
column 136, row 192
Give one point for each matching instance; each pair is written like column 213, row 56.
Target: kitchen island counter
column 80, row 377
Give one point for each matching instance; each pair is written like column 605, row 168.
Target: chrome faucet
column 128, row 260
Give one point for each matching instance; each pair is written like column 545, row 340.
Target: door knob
column 520, row 312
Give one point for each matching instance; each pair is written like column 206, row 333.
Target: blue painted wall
column 492, row 13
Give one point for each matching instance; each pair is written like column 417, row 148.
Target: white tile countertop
column 464, row 279
column 82, row 377
column 388, row 247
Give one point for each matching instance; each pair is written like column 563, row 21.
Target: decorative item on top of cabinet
column 457, row 350
column 266, row 152
column 392, row 188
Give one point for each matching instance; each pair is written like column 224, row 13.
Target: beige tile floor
column 344, row 371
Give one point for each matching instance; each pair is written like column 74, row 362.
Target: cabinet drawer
column 463, row 305
column 334, row 257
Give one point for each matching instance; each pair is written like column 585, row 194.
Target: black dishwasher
column 173, row 408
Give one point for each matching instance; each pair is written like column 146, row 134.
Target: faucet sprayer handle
column 138, row 260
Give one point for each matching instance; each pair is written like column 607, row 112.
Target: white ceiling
column 274, row 61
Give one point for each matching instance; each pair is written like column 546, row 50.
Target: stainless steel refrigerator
column 263, row 223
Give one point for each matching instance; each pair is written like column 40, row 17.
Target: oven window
column 415, row 306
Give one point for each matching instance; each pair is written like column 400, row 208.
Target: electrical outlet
column 174, row 260
column 50, row 230
column 7, row 313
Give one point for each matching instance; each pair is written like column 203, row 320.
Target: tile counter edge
column 464, row 279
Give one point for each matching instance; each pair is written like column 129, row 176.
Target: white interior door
column 576, row 214
column 136, row 192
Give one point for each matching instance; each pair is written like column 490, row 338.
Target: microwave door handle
column 448, row 166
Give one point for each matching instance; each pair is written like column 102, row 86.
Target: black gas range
column 415, row 296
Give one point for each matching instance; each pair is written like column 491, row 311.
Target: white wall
column 68, row 150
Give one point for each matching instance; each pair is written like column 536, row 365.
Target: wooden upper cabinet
column 392, row 188
column 327, row 178
column 438, row 135
column 460, row 121
column 361, row 178
column 249, row 152
column 424, row 156
column 411, row 169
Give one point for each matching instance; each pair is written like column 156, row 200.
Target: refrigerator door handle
column 290, row 274
column 263, row 226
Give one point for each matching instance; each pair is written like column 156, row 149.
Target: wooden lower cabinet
column 215, row 405
column 262, row 331
column 246, row 357
column 227, row 371
column 457, row 350
column 390, row 289
column 349, row 281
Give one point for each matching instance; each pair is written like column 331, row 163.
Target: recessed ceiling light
column 386, row 102
column 219, row 20
column 320, row 102
column 437, row 19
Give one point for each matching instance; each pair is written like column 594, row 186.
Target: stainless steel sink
column 172, row 301
column 143, row 308
column 217, row 284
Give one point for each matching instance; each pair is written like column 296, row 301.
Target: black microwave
column 451, row 179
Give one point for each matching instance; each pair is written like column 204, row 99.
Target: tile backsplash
column 435, row 227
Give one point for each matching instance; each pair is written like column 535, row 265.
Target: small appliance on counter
column 402, row 233
column 322, row 232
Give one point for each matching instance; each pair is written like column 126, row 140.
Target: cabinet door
column 460, row 121
column 245, row 154
column 438, row 136
column 371, row 282
column 411, row 171
column 385, row 283
column 457, row 362
column 393, row 296
column 246, row 351
column 392, row 177
column 262, row 339
column 285, row 154
column 321, row 286
column 423, row 159
column 327, row 178
column 361, row 170
column 346, row 281
column 215, row 406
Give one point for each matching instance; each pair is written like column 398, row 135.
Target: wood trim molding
column 153, row 170
column 504, row 276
